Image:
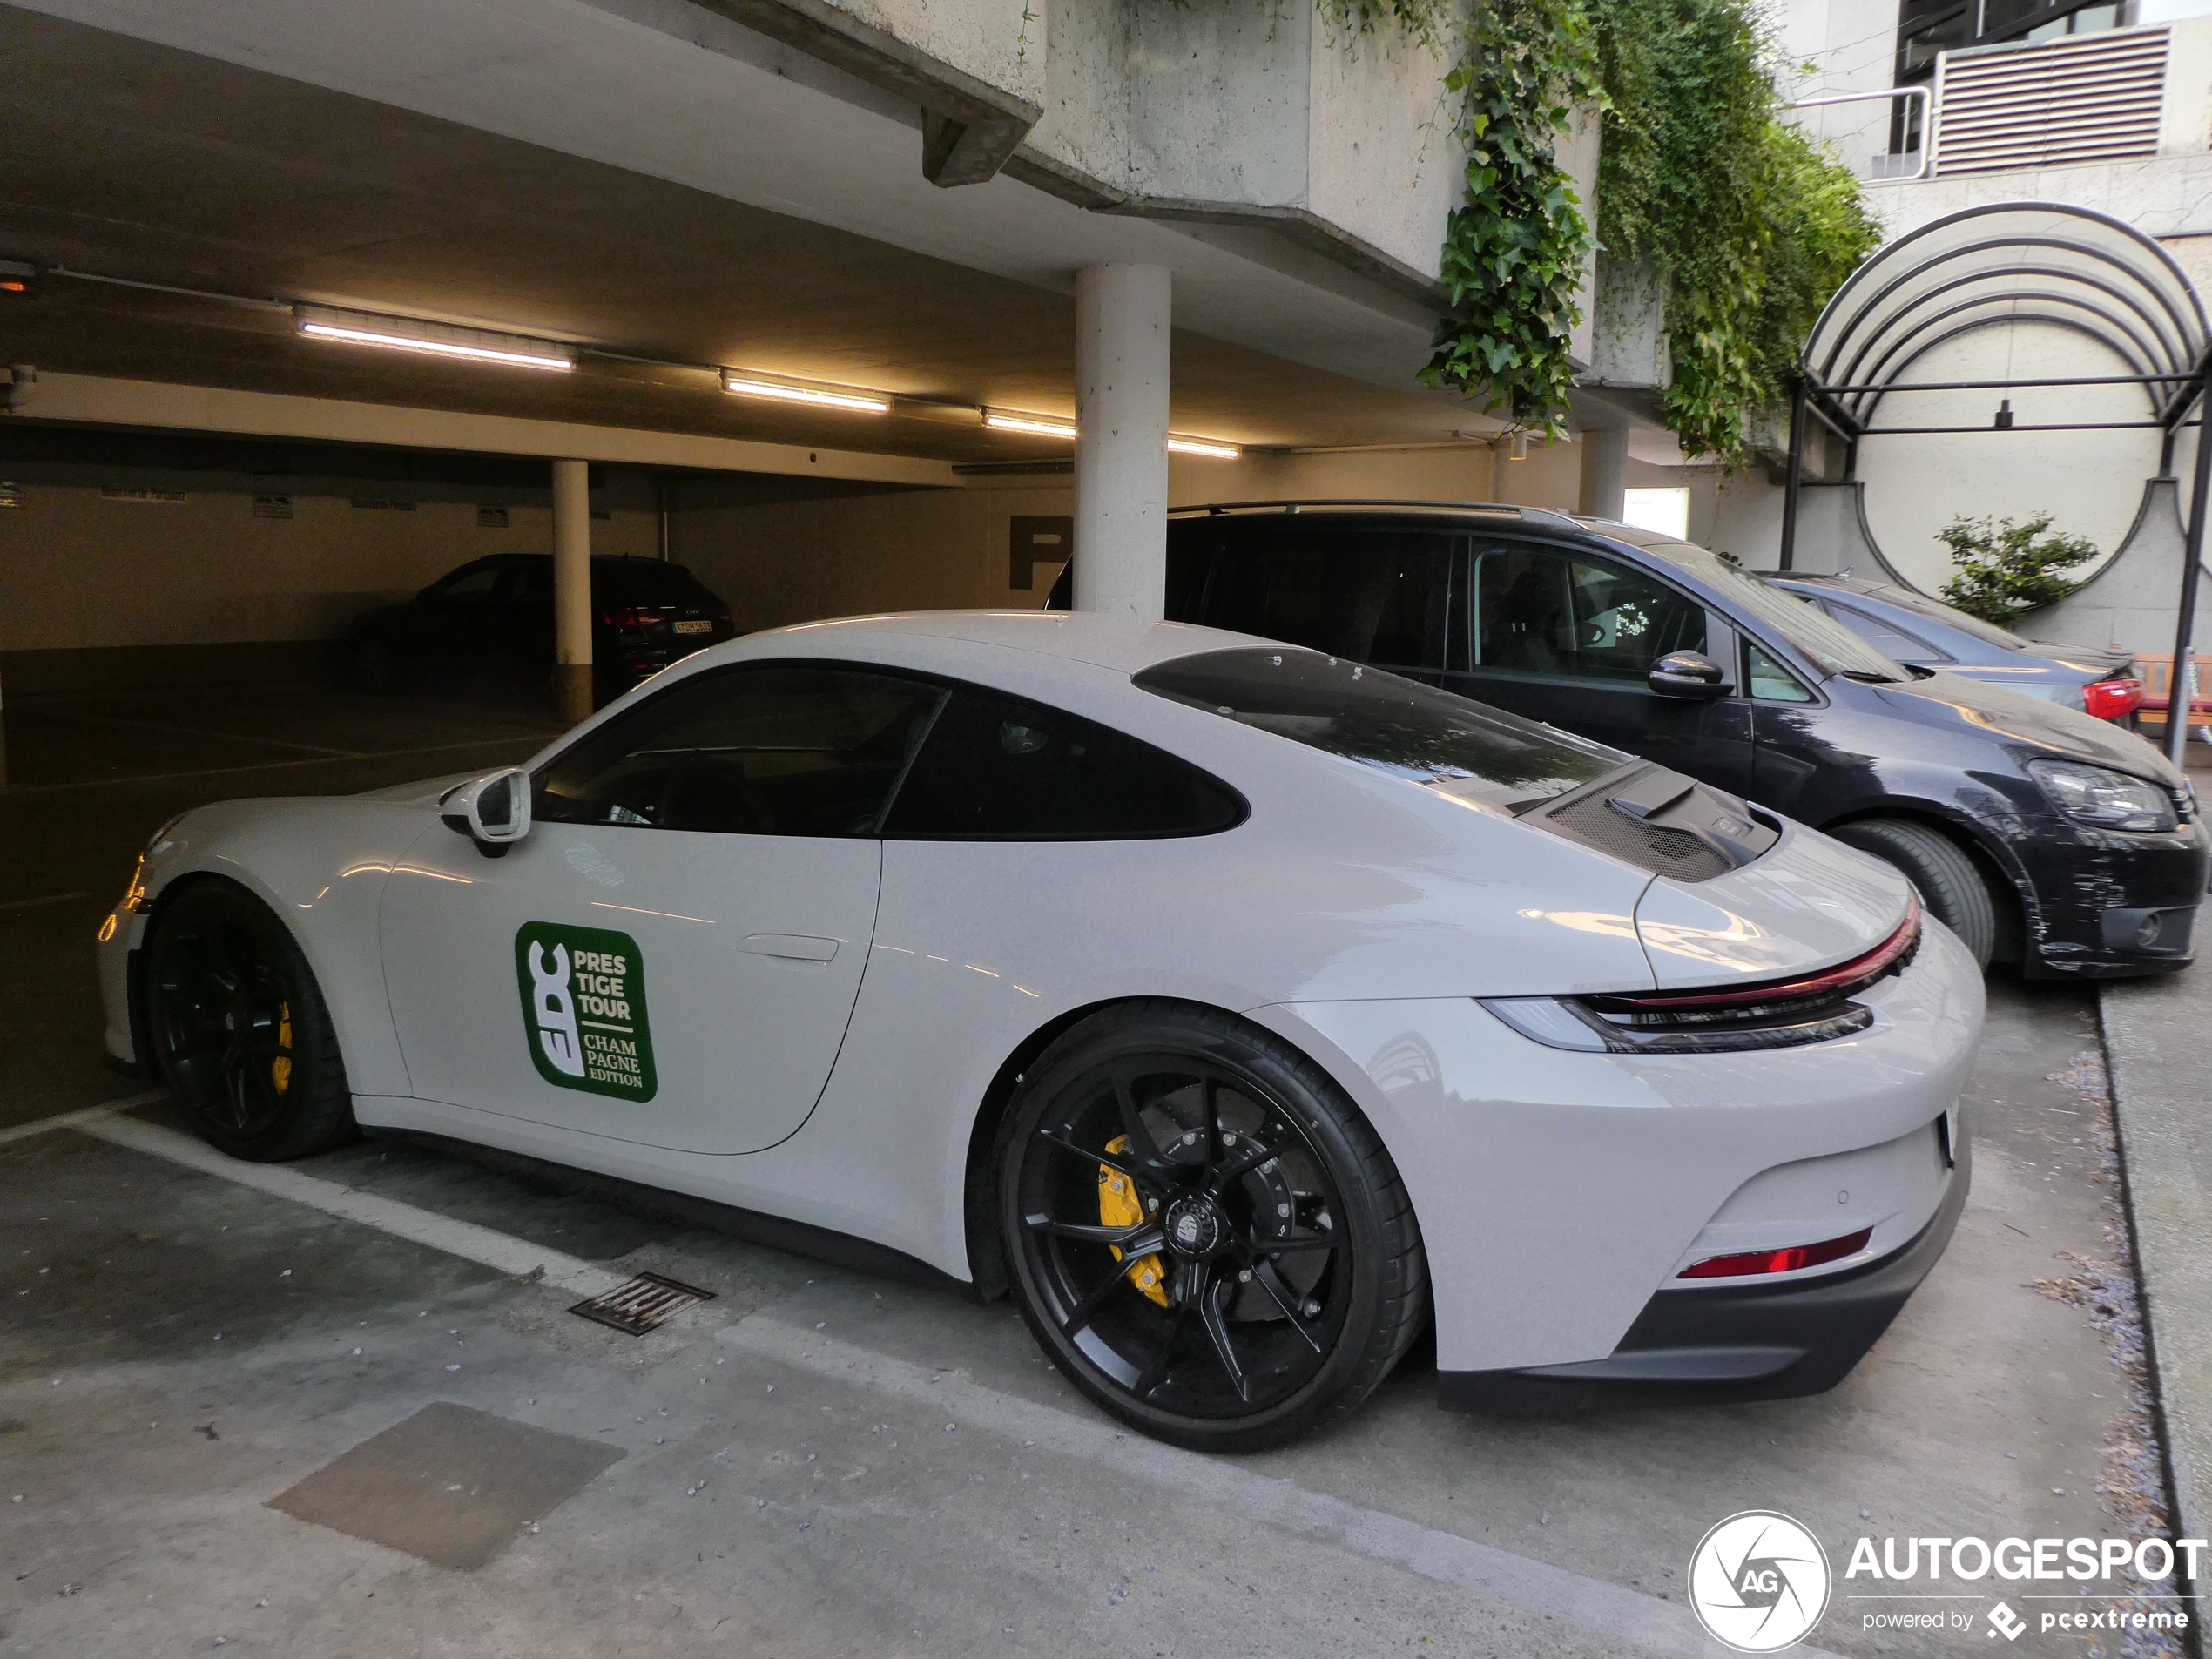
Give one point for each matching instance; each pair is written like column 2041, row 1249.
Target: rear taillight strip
column 1836, row 982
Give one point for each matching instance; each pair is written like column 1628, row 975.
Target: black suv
column 2040, row 835
column 496, row 615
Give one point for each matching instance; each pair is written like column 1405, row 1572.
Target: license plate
column 694, row 627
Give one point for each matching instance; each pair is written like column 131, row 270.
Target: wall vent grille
column 2059, row 104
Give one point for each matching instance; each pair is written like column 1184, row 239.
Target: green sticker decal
column 583, row 1008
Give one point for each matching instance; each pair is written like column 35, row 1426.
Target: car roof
column 1818, row 579
column 1360, row 507
column 1123, row 643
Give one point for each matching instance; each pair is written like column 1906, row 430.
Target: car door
column 460, row 613
column 671, row 954
column 1569, row 635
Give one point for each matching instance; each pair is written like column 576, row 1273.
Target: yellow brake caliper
column 280, row 1067
column 1118, row 1206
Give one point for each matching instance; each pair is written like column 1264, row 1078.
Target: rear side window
column 777, row 750
column 994, row 768
column 1369, row 594
column 1393, row 725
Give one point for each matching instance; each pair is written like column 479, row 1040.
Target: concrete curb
column 2158, row 1053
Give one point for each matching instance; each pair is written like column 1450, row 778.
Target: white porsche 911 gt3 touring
column 1238, row 1008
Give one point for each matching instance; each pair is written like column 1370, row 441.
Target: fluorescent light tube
column 834, row 397
column 436, row 339
column 1042, row 426
column 1211, row 447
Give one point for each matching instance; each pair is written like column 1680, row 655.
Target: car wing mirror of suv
column 493, row 810
column 1688, row 674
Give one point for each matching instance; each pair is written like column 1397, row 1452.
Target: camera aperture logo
column 1759, row 1582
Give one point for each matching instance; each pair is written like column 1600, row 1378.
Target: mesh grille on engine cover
column 1671, row 852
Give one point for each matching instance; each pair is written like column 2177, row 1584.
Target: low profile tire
column 1271, row 1271
column 240, row 1032
column 1950, row 883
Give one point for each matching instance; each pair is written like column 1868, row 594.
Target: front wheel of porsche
column 240, row 1032
column 1203, row 1231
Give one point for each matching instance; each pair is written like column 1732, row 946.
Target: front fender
column 322, row 865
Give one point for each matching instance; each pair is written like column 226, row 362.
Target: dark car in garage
column 493, row 618
column 2039, row 835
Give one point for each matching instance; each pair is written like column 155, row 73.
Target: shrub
column 2005, row 569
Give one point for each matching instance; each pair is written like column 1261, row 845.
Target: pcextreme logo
column 1759, row 1582
column 583, row 1008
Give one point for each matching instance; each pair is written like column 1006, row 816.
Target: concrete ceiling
column 136, row 160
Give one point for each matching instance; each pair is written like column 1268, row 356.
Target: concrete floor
column 854, row 1465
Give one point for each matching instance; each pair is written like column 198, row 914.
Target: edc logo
column 1759, row 1582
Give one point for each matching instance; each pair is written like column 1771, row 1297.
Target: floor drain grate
column 642, row 1305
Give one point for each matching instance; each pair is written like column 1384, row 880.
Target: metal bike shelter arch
column 1994, row 266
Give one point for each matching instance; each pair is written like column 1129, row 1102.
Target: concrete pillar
column 1605, row 473
column 1123, row 314
column 572, row 588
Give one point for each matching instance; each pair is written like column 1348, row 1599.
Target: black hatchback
column 2040, row 835
column 495, row 616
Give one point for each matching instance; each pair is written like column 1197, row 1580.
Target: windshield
column 1397, row 725
column 1834, row 647
column 1920, row 605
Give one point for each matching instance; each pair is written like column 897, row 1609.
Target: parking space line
column 517, row 1257
column 13, row 905
column 78, row 1119
column 219, row 737
column 1645, row 1622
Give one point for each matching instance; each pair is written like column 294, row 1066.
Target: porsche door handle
column 795, row 947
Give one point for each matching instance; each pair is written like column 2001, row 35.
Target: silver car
column 1911, row 628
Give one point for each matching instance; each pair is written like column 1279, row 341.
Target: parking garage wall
column 800, row 560
column 115, row 580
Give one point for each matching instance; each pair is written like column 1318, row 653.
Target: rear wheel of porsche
column 240, row 1033
column 1204, row 1232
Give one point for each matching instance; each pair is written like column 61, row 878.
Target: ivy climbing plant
column 1514, row 249
column 1750, row 226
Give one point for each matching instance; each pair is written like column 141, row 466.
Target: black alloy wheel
column 240, row 1033
column 1203, row 1230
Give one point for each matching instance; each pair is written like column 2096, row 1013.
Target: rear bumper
column 1736, row 1343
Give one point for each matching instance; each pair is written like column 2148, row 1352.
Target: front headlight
column 2109, row 799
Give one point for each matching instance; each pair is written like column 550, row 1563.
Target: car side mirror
column 1688, row 674
column 493, row 810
